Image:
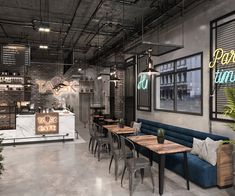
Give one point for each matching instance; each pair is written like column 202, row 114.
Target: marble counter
column 25, row 129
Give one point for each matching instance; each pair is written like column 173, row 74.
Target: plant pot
column 160, row 140
column 120, row 125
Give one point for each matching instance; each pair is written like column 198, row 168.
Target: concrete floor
column 69, row 169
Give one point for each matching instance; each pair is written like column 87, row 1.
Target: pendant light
column 149, row 66
column 114, row 78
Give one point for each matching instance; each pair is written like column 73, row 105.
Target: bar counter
column 26, row 129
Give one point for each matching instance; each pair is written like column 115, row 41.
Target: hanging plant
column 229, row 109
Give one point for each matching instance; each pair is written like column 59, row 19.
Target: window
column 222, row 36
column 178, row 88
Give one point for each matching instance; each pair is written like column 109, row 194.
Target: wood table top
column 150, row 142
column 110, row 120
column 118, row 130
column 97, row 116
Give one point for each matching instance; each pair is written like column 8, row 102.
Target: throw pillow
column 197, row 146
column 137, row 126
column 209, row 150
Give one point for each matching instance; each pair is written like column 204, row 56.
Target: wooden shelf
column 86, row 92
column 12, row 84
column 11, row 76
column 11, row 90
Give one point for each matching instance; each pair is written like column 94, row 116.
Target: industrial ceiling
column 91, row 28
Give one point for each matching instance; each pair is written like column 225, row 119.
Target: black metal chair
column 100, row 139
column 134, row 164
column 116, row 153
column 92, row 138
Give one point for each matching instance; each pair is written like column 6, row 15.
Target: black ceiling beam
column 88, row 22
column 71, row 23
column 4, row 31
column 150, row 20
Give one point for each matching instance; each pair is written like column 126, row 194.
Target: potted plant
column 229, row 111
column 1, row 157
column 160, row 136
column 121, row 123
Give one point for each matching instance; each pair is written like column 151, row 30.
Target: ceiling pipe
column 117, row 46
column 50, row 22
column 90, row 19
column 72, row 20
column 4, row 31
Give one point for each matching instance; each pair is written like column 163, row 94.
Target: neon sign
column 45, row 86
column 143, row 82
column 225, row 58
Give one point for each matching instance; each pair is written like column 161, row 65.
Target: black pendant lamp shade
column 149, row 67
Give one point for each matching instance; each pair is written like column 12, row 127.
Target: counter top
column 61, row 113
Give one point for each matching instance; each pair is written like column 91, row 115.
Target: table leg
column 186, row 173
column 161, row 165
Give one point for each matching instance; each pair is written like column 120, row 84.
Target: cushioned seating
column 200, row 172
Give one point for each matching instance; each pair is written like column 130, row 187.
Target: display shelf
column 7, row 117
column 11, row 84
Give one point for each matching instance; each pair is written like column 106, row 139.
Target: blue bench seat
column 201, row 172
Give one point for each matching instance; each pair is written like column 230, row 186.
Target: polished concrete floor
column 69, row 169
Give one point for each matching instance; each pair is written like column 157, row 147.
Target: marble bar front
column 26, row 130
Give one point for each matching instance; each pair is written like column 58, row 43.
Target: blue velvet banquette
column 201, row 172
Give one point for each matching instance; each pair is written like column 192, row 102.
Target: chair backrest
column 113, row 137
column 126, row 142
column 92, row 130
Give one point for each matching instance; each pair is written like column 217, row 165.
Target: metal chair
column 116, row 153
column 92, row 138
column 100, row 139
column 134, row 164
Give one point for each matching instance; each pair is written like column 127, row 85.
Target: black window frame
column 175, row 85
column 213, row 87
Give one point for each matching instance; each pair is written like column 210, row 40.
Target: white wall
column 196, row 36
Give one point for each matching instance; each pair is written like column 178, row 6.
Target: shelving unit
column 7, row 117
column 86, row 86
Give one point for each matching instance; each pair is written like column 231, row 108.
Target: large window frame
column 175, row 73
column 215, row 89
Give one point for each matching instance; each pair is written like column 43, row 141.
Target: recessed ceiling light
column 44, row 29
column 79, row 69
column 43, row 47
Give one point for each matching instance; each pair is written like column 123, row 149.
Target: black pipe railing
column 35, row 137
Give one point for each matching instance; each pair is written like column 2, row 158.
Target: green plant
column 1, row 157
column 160, row 132
column 121, row 121
column 229, row 109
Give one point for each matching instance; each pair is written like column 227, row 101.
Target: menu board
column 47, row 123
column 15, row 55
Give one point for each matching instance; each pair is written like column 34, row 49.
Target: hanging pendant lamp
column 149, row 66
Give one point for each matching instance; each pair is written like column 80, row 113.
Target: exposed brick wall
column 119, row 100
column 43, row 72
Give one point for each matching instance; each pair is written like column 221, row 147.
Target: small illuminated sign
column 224, row 58
column 143, row 82
column 47, row 123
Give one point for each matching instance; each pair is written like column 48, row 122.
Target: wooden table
column 169, row 147
column 118, row 130
column 110, row 121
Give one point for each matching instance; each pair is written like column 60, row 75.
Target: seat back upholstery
column 177, row 134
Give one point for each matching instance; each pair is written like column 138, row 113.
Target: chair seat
column 137, row 163
column 117, row 153
column 103, row 140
